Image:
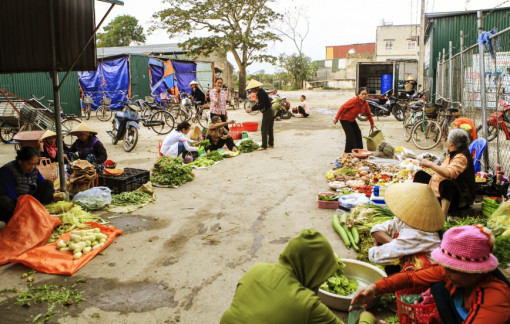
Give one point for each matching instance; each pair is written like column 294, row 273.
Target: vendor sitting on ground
column 463, row 284
column 87, row 146
column 302, row 110
column 454, row 180
column 284, row 293
column 218, row 135
column 48, row 143
column 282, row 110
column 412, row 235
column 21, row 177
column 176, row 142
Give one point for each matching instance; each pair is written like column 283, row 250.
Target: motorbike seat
column 416, row 107
column 453, row 109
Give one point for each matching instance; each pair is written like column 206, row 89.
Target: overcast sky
column 332, row 22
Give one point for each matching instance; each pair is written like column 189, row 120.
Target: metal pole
column 483, row 103
column 56, row 97
column 450, row 70
column 461, row 84
column 442, row 72
column 438, row 74
column 421, row 47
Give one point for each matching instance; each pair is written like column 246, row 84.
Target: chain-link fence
column 480, row 86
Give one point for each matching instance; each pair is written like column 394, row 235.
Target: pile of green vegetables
column 328, row 197
column 368, row 213
column 464, row 221
column 202, row 161
column 502, row 250
column 247, row 146
column 499, row 221
column 171, row 172
column 215, row 156
column 338, row 283
column 344, row 226
column 489, row 206
column 131, row 198
column 205, row 143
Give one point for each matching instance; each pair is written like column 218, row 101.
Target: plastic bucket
column 386, row 82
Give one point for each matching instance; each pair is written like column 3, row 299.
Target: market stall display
column 170, row 172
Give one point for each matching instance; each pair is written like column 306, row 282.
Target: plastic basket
column 236, row 131
column 327, row 204
column 130, row 180
column 47, row 169
column 88, row 100
column 149, row 99
column 107, row 100
column 416, row 314
column 251, row 126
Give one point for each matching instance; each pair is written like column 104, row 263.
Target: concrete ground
column 180, row 258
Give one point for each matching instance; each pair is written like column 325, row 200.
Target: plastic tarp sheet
column 162, row 77
column 111, row 78
column 185, row 72
column 30, row 227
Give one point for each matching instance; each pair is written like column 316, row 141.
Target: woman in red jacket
column 347, row 115
column 463, row 284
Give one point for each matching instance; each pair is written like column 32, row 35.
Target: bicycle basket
column 88, row 100
column 430, row 110
column 107, row 100
column 27, row 115
column 149, row 99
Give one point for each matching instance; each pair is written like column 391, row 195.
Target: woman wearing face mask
column 347, row 115
column 219, row 97
column 48, row 144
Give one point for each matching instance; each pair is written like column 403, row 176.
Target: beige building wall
column 397, row 42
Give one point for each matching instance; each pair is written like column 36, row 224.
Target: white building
column 396, row 42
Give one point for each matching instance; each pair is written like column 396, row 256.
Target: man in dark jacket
column 264, row 105
column 21, row 177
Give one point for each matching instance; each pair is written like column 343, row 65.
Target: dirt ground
column 180, row 258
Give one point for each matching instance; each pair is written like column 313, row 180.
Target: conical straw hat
column 253, row 84
column 82, row 127
column 48, row 133
column 416, row 205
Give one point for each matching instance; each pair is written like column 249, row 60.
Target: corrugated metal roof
column 140, row 49
column 459, row 13
column 341, row 51
column 25, row 31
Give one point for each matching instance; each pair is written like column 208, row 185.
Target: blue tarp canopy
column 185, row 72
column 111, row 78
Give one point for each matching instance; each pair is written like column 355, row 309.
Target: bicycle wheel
column 202, row 118
column 178, row 114
column 104, row 113
column 67, row 127
column 162, row 122
column 87, row 112
column 426, row 134
column 130, row 139
column 145, row 111
column 408, row 127
column 7, row 132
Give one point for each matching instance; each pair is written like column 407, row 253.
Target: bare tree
column 295, row 26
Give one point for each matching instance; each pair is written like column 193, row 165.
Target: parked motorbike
column 501, row 119
column 125, row 126
column 378, row 107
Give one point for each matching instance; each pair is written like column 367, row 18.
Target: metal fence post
column 438, row 74
column 483, row 103
column 450, row 71
column 442, row 73
column 461, row 84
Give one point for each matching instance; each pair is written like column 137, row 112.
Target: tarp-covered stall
column 162, row 78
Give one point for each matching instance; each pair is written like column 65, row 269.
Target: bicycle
column 411, row 120
column 104, row 112
column 426, row 133
column 88, row 101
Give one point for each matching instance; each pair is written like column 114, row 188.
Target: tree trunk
column 242, row 81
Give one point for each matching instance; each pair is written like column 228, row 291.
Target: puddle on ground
column 135, row 223
column 108, row 295
column 281, row 240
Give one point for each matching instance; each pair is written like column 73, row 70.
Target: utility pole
column 421, row 49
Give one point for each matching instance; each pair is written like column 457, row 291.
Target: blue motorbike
column 125, row 126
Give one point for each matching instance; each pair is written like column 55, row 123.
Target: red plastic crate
column 327, row 204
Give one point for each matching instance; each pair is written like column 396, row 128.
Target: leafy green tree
column 299, row 66
column 121, row 31
column 241, row 27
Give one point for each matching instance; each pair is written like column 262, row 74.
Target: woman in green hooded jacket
column 284, row 293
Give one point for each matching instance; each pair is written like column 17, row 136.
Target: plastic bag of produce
column 350, row 201
column 94, row 198
column 500, row 219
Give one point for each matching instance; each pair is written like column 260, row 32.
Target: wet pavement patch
column 105, row 294
column 135, row 223
column 281, row 240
